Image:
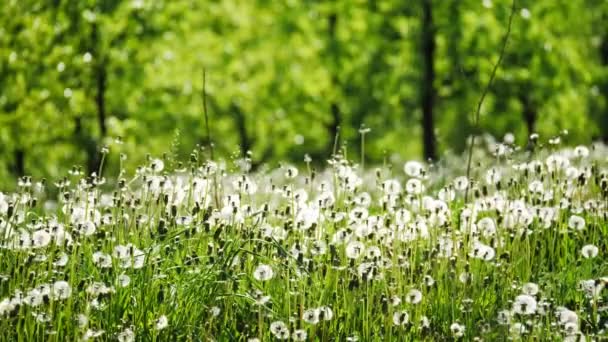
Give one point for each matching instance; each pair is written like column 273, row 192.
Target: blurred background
column 282, row 76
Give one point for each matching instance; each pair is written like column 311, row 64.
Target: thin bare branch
column 484, row 93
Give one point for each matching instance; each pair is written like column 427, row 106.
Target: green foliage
column 76, row 74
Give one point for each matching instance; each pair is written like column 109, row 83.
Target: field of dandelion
column 204, row 250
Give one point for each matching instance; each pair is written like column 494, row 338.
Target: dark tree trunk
column 18, row 162
column 604, row 89
column 100, row 81
column 241, row 125
column 86, row 142
column 428, row 79
column 336, row 115
column 100, row 98
column 333, row 128
column 529, row 113
column 101, row 78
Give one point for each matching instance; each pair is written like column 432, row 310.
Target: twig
column 209, row 143
column 204, row 95
column 483, row 96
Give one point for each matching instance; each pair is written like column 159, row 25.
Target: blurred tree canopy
column 285, row 77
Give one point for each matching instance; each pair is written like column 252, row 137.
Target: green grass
column 193, row 238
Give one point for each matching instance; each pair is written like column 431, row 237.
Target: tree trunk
column 529, row 113
column 428, row 79
column 86, row 142
column 18, row 162
column 241, row 125
column 100, row 98
column 100, row 80
column 604, row 89
column 336, row 115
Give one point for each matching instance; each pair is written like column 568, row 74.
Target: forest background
column 285, row 78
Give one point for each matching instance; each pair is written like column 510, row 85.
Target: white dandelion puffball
column 524, row 305
column 401, row 318
column 414, row 296
column 576, row 222
column 457, row 329
column 589, row 251
column 413, row 168
column 61, row 290
column 461, row 183
column 161, row 323
column 263, row 272
column 354, row 249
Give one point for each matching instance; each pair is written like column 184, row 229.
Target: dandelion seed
column 319, row 247
column 291, row 172
column 524, row 305
column 447, row 194
column 530, row 289
column 589, row 251
column 403, row 216
column 215, row 311
column 591, row 287
column 581, row 152
column 161, row 323
column 123, row 280
column 98, row 288
column 576, row 222
column 40, row 239
column 311, row 316
column 566, row 316
column 428, row 280
column 414, row 296
column 571, row 329
column 157, row 165
column 61, row 260
column 279, row 330
column 325, row 313
column 461, row 183
column 263, row 272
column 536, row 187
column 457, row 330
column 299, row 335
column 91, row 334
column 414, row 186
column 493, row 176
column 425, row 323
column 126, row 335
column 82, row 320
column 61, row 290
column 517, row 329
column 464, row 277
column 413, row 168
column 391, row 187
column 504, row 317
column 87, row 57
column 363, row 200
column 86, row 228
column 102, row 260
column 33, row 298
column 487, row 226
column 401, row 318
column 354, row 249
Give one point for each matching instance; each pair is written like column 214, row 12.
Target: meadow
column 206, row 250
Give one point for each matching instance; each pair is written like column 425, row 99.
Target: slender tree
column 428, row 78
column 336, row 114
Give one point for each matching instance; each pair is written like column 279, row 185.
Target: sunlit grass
column 197, row 252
